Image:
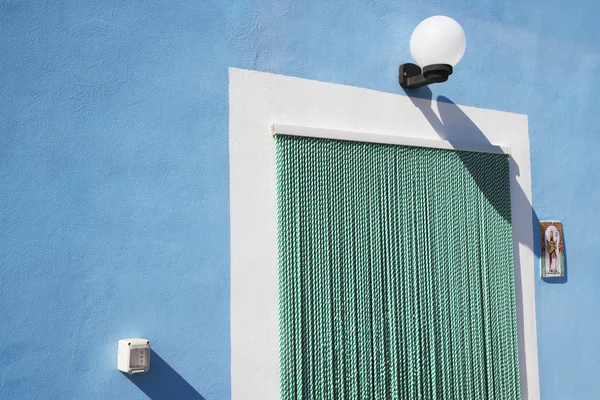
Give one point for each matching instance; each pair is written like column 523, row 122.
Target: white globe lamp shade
column 438, row 40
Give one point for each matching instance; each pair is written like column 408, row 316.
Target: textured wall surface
column 114, row 170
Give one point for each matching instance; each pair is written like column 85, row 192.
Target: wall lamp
column 437, row 44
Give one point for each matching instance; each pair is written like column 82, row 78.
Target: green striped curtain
column 395, row 272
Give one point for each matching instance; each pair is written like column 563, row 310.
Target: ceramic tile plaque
column 552, row 256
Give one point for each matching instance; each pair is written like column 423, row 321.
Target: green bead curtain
column 396, row 272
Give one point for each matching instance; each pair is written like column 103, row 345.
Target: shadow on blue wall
column 163, row 382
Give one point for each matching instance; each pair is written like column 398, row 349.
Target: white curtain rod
column 291, row 130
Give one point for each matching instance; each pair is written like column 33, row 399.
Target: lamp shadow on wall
column 454, row 126
column 163, row 382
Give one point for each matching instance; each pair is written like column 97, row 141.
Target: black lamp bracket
column 412, row 77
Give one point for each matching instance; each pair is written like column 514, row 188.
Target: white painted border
column 371, row 137
column 256, row 101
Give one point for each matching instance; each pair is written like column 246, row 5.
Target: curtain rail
column 292, row 130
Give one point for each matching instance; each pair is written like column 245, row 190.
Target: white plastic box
column 133, row 356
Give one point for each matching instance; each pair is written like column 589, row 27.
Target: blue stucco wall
column 114, row 218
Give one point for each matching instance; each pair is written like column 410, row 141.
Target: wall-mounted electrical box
column 134, row 355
